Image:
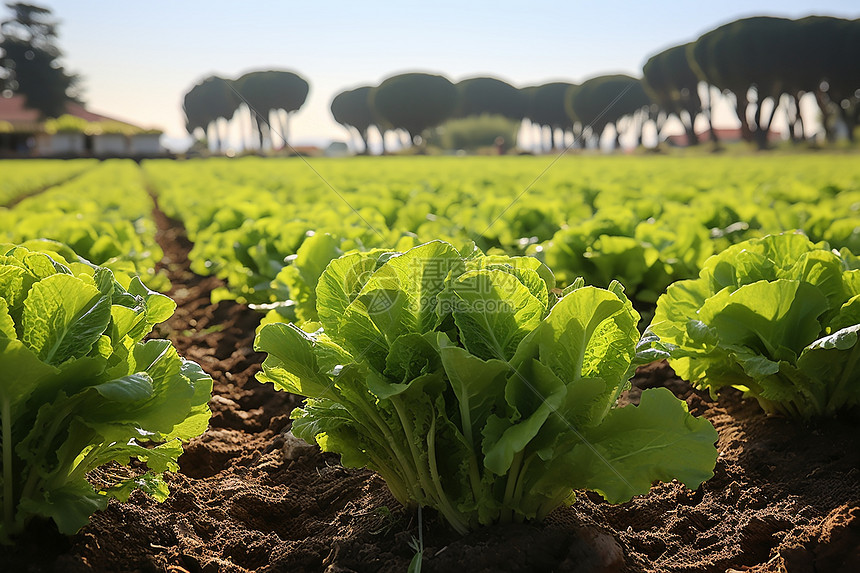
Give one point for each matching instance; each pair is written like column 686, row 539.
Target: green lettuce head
column 776, row 317
column 79, row 388
column 473, row 386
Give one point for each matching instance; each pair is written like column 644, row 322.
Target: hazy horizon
column 137, row 61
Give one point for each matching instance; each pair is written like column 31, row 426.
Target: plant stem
column 8, row 501
column 410, row 479
column 474, row 477
column 420, row 529
column 546, row 507
column 507, row 503
column 423, row 478
column 518, row 491
column 452, row 515
column 34, row 474
column 474, row 474
column 395, row 483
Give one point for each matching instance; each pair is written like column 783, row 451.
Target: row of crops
column 428, row 333
column 101, row 211
column 645, row 222
column 24, row 177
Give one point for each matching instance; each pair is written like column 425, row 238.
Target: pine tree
column 30, row 62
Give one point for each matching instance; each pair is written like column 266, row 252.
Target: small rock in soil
column 294, row 447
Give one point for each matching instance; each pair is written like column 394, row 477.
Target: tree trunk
column 364, row 139
column 276, row 127
column 225, row 133
column 826, row 114
column 382, row 138
column 762, row 125
column 285, row 128
column 577, row 136
column 760, row 135
column 708, row 111
column 741, row 108
column 801, row 127
column 659, row 119
column 213, row 129
column 640, row 126
column 243, row 132
column 256, row 132
column 849, row 117
column 791, row 116
column 688, row 121
column 265, row 134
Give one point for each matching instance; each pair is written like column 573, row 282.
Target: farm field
column 237, row 242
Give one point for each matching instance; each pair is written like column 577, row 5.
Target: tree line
column 761, row 65
column 415, row 102
column 411, row 103
column 269, row 96
column 765, row 64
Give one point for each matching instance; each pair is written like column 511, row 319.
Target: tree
column 352, row 109
column 847, row 69
column 672, row 84
column 195, row 113
column 414, row 102
column 812, row 44
column 30, row 64
column 606, row 100
column 478, row 96
column 748, row 58
column 207, row 102
column 546, row 108
column 836, row 44
column 268, row 91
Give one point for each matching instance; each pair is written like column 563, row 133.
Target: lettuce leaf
column 81, row 389
column 472, row 388
column 775, row 317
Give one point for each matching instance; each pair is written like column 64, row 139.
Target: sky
column 138, row 59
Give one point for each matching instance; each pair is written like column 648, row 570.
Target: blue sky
column 139, row 58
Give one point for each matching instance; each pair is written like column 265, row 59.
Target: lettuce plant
column 644, row 255
column 471, row 387
column 79, row 389
column 776, row 317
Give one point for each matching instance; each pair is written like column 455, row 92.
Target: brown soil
column 249, row 497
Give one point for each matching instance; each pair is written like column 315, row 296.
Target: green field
column 645, row 221
column 410, row 301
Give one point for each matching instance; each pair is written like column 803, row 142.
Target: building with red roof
column 78, row 133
